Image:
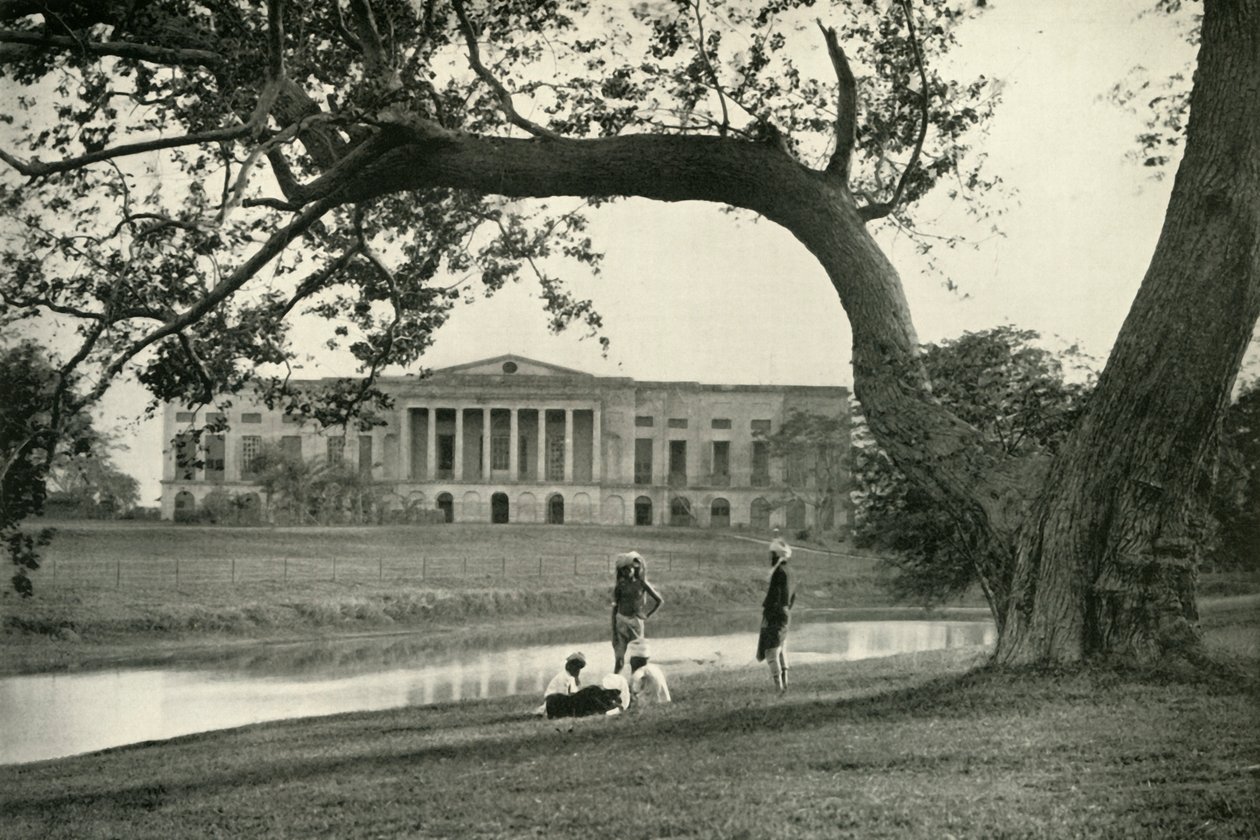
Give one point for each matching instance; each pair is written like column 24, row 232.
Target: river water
column 54, row 715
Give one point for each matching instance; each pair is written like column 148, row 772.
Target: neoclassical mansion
column 511, row 439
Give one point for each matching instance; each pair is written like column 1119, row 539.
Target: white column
column 514, row 446
column 597, row 445
column 485, row 444
column 459, row 443
column 430, row 446
column 542, row 444
column 404, row 444
column 568, row 446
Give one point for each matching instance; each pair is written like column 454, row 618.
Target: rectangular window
column 365, row 455
column 185, row 457
column 762, row 426
column 721, row 423
column 500, row 452
column 722, row 458
column 185, row 416
column 251, row 417
column 251, row 447
column 336, row 451
column 555, row 459
column 643, row 461
column 446, row 455
column 678, row 422
column 760, row 463
column 644, row 421
column 216, row 417
column 678, row 463
column 291, row 445
column 797, row 469
column 291, row 418
column 215, row 456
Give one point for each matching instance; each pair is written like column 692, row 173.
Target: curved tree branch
column 36, row 169
column 168, row 56
column 505, row 97
column 224, row 289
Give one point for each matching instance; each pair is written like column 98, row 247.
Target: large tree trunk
column 1107, row 565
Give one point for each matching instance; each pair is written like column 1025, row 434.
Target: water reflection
column 53, row 715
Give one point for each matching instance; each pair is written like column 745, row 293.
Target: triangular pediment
column 508, row 365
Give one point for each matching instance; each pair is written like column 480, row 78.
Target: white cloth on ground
column 648, row 685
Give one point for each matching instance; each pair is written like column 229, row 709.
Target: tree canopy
column 174, row 150
column 197, row 171
column 1024, row 399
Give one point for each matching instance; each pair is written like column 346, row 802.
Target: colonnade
column 537, row 446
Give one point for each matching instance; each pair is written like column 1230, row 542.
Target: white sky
column 690, row 293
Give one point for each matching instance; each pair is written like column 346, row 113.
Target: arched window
column 759, row 513
column 499, row 508
column 555, row 510
column 185, row 506
column 796, row 515
column 680, row 511
column 643, row 511
column 446, row 504
column 720, row 514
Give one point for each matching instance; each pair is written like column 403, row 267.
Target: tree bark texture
column 1107, row 565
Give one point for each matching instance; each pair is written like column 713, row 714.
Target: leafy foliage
column 1016, row 393
column 154, row 250
column 31, row 439
column 815, row 449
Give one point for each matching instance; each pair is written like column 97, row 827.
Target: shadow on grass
column 708, row 715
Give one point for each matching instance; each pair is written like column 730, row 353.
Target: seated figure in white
column 647, row 681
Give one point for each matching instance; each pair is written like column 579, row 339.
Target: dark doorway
column 446, row 504
column 499, row 508
column 555, row 510
column 720, row 514
column 643, row 511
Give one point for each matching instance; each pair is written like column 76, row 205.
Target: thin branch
column 315, row 282
column 344, row 30
column 168, row 56
column 207, row 384
column 223, row 290
column 846, row 107
column 704, row 54
column 505, row 98
column 375, row 60
column 879, row 211
column 35, row 169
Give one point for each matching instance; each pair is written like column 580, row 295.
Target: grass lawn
column 914, row 746
column 112, row 591
column 917, row 746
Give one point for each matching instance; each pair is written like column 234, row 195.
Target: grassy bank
column 922, row 745
column 112, row 592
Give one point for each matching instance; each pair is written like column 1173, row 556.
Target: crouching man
column 567, row 697
column 647, row 680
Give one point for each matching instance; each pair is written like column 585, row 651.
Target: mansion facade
column 510, row 439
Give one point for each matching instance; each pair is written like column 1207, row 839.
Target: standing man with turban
column 776, row 614
column 629, row 607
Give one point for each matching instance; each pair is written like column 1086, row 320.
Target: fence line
column 185, row 572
